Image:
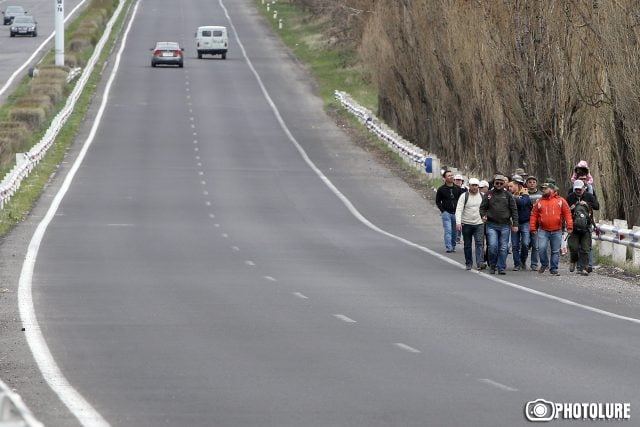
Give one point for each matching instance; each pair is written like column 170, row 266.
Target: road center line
column 407, row 348
column 344, row 318
column 497, row 384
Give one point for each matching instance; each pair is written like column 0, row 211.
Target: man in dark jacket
column 500, row 213
column 580, row 239
column 447, row 200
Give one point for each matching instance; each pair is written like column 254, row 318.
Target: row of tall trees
column 494, row 85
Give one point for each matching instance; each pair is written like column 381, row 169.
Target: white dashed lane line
column 407, row 348
column 344, row 318
column 299, row 295
column 235, row 249
column 250, row 263
column 270, row 279
column 497, row 384
column 225, row 235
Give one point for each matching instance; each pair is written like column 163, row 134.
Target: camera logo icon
column 540, row 410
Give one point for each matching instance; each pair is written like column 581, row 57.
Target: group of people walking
column 487, row 216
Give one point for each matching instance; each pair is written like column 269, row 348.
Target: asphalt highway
column 201, row 272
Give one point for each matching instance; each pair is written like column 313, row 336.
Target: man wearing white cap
column 469, row 222
column 581, row 204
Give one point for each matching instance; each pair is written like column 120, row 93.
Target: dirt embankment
column 490, row 86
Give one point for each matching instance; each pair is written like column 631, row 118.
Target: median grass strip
column 22, row 202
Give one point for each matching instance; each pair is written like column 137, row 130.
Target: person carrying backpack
column 581, row 204
column 469, row 222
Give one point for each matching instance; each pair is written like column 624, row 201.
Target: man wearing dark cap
column 500, row 213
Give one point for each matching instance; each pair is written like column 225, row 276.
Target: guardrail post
column 636, row 251
column 605, row 248
column 619, row 251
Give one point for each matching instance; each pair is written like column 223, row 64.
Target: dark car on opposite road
column 167, row 53
column 11, row 12
column 24, row 26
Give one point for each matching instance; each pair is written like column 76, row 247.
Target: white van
column 212, row 40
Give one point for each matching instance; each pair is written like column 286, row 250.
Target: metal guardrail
column 13, row 411
column 619, row 236
column 413, row 154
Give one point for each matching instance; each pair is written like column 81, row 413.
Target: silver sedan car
column 167, row 53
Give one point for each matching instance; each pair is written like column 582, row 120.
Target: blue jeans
column 470, row 234
column 498, row 243
column 520, row 245
column 544, row 239
column 450, row 232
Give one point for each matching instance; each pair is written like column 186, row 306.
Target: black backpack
column 581, row 219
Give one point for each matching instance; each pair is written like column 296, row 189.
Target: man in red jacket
column 546, row 225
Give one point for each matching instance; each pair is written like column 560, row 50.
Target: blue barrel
column 428, row 165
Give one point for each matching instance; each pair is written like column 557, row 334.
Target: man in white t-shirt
column 468, row 221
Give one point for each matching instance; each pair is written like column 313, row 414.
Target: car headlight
column 13, row 28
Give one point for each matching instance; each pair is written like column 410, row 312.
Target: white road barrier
column 13, row 411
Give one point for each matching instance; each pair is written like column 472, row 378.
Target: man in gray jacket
column 499, row 211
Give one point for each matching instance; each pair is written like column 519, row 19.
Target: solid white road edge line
column 35, row 53
column 374, row 227
column 52, row 374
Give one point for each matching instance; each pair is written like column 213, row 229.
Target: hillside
column 493, row 85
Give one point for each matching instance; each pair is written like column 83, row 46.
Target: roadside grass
column 333, row 68
column 22, row 202
column 607, row 261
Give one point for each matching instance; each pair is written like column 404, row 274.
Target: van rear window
column 206, row 33
column 217, row 33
